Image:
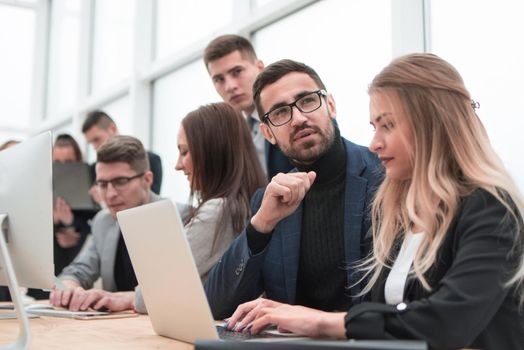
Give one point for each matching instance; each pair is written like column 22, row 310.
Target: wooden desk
column 63, row 333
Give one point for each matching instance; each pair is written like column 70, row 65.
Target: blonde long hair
column 452, row 157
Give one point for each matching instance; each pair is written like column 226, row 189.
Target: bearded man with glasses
column 309, row 226
column 123, row 179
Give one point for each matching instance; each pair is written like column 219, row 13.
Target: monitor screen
column 26, row 196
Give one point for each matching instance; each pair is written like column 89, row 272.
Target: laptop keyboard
column 226, row 334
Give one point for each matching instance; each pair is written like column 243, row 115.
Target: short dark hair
column 127, row 149
column 66, row 140
column 97, row 118
column 277, row 70
column 226, row 44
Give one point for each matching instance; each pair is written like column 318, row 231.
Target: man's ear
column 268, row 133
column 148, row 178
column 113, row 130
column 332, row 106
column 260, row 65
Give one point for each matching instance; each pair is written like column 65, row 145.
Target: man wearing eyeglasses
column 123, row 180
column 233, row 67
column 309, row 227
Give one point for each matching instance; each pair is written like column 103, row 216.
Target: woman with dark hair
column 217, row 154
column 218, row 157
column 71, row 227
column 66, row 149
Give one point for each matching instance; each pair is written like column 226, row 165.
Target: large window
column 119, row 111
column 490, row 58
column 260, row 3
column 181, row 23
column 63, row 57
column 17, row 29
column 113, row 39
column 346, row 51
column 139, row 55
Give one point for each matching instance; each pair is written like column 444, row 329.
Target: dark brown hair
column 127, row 149
column 66, row 140
column 225, row 163
column 97, row 118
column 226, row 44
column 277, row 70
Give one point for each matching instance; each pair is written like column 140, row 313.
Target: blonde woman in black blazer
column 447, row 264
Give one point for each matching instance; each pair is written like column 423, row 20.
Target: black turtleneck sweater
column 321, row 278
column 125, row 278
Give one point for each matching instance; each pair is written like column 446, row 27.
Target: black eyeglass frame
column 321, row 93
column 102, row 184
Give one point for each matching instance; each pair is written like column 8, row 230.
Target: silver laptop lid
column 166, row 272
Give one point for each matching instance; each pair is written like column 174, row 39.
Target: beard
column 310, row 151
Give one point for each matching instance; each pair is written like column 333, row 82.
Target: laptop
column 168, row 277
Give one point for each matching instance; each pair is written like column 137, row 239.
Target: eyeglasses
column 306, row 104
column 118, row 183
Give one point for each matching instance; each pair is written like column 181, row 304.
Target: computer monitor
column 26, row 196
column 26, row 199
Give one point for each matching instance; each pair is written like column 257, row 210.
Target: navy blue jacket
column 276, row 161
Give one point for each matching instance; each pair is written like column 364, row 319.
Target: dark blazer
column 155, row 164
column 276, row 161
column 240, row 276
column 468, row 307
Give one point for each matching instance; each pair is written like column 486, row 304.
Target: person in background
column 71, row 227
column 217, row 155
column 99, row 127
column 233, row 66
column 447, row 265
column 123, row 179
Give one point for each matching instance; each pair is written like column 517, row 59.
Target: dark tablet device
column 72, row 181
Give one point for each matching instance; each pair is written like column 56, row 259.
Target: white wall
column 141, row 60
